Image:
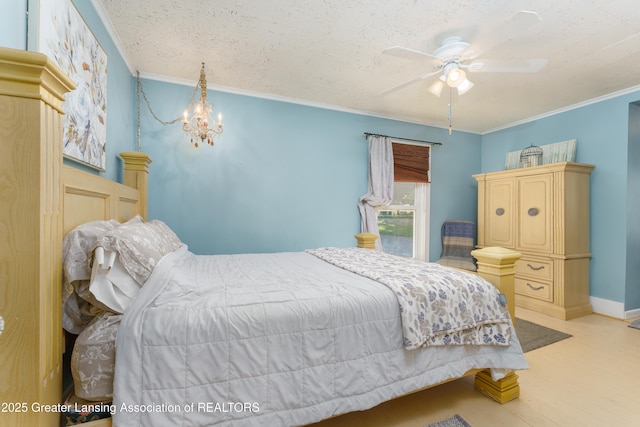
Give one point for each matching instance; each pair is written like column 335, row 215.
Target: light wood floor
column 590, row 379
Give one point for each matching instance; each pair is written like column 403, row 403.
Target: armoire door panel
column 535, row 210
column 500, row 213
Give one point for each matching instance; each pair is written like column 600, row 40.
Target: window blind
column 410, row 162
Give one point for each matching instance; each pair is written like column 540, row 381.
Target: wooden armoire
column 543, row 213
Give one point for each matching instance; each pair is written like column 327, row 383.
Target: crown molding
column 565, row 109
column 278, row 98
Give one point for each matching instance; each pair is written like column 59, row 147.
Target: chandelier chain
column 144, row 96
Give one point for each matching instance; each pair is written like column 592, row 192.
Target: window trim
column 422, row 202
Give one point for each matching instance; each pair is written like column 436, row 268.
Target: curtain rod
column 404, row 139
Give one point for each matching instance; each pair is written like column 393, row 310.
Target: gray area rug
column 533, row 336
column 455, row 421
column 635, row 324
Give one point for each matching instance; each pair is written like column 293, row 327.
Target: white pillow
column 79, row 304
column 139, row 246
column 111, row 284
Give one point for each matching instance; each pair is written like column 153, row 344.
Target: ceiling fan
column 454, row 56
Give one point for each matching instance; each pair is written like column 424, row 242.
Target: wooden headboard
column 40, row 200
column 88, row 197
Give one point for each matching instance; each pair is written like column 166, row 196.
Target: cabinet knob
column 499, row 211
column 533, row 211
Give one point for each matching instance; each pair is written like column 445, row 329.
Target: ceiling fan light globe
column 456, row 76
column 437, row 86
column 464, row 86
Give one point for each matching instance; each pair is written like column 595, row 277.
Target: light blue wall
column 454, row 193
column 13, row 24
column 284, row 177
column 602, row 133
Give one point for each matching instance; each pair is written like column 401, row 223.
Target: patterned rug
column 533, row 336
column 635, row 324
column 455, row 421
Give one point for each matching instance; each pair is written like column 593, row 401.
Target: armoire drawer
column 531, row 288
column 536, row 268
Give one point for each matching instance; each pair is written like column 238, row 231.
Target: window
column 404, row 225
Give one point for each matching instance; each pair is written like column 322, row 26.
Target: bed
column 307, row 383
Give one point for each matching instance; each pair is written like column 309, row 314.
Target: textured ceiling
column 330, row 52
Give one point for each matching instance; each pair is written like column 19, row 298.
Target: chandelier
column 196, row 121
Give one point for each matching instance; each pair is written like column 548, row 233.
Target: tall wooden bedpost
column 136, row 175
column 497, row 266
column 32, row 91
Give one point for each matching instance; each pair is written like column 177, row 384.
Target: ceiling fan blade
column 405, row 52
column 520, row 22
column 507, row 65
column 407, row 83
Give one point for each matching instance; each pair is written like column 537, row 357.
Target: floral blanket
column 438, row 305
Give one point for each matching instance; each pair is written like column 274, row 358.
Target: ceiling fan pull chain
column 449, row 114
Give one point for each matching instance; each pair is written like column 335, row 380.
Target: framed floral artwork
column 68, row 41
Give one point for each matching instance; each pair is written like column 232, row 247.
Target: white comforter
column 271, row 340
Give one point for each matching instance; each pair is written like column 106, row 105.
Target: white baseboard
column 632, row 313
column 612, row 308
column 608, row 307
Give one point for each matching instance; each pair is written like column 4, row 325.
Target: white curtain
column 380, row 184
